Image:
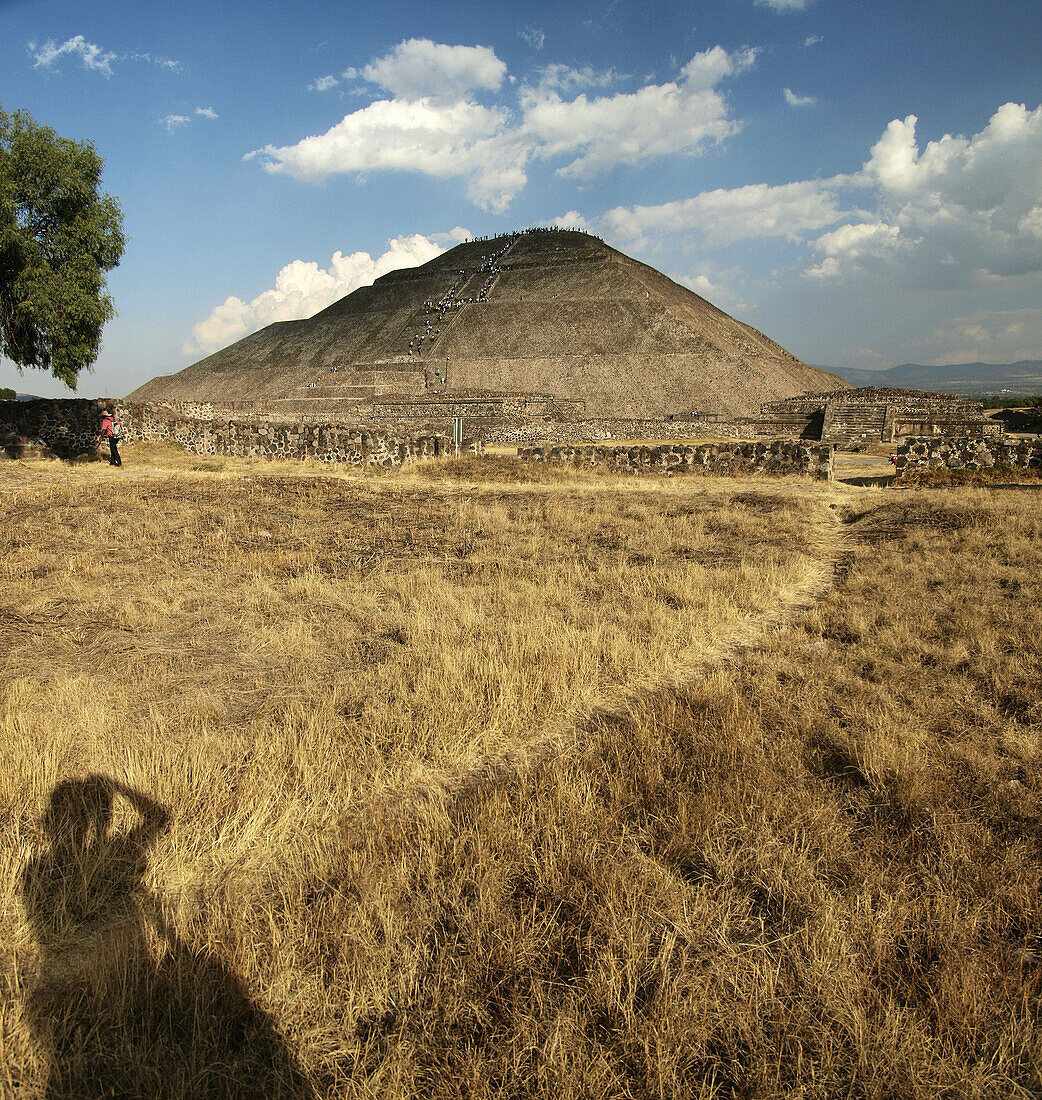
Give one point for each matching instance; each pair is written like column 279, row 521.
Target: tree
column 7, row 394
column 58, row 238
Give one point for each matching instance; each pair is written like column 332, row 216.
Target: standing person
column 113, row 432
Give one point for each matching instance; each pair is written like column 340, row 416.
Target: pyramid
column 553, row 313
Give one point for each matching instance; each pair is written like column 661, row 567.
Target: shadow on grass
column 121, row 1005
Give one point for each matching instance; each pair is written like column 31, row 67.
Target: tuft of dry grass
column 810, row 869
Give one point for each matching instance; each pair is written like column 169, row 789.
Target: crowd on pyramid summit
column 535, row 230
column 532, row 231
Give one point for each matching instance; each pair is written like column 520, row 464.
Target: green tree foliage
column 58, row 238
column 7, row 394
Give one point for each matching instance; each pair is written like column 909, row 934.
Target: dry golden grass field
column 483, row 779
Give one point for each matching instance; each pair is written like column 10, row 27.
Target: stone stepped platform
column 400, row 383
column 499, row 407
column 860, row 423
column 804, row 404
column 340, row 392
column 878, row 414
column 792, row 425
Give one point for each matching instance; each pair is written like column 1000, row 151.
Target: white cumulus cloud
column 783, row 5
column 419, row 68
column 743, row 213
column 302, row 288
column 457, row 235
column 92, row 57
column 433, row 126
column 206, row 112
column 572, row 220
column 857, row 240
column 323, row 84
column 853, row 242
column 960, row 210
column 658, row 119
column 566, row 78
column 998, row 165
column 973, row 205
column 460, row 139
column 534, row 37
column 795, row 100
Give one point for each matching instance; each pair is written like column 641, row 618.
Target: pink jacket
column 106, row 426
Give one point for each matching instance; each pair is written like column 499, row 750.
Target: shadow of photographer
column 123, row 1006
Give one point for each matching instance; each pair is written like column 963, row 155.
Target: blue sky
column 860, row 180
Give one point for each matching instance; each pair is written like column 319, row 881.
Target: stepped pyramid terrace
column 875, row 414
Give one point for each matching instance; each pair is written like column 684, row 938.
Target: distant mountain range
column 1024, row 377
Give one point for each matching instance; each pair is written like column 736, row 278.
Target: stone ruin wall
column 610, row 429
column 592, row 430
column 490, row 406
column 69, row 429
column 906, row 424
column 949, row 415
column 505, row 420
column 334, row 443
column 780, row 458
column 61, row 428
column 509, row 420
column 967, row 453
column 908, row 400
column 877, row 414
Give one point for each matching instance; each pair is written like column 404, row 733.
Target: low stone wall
column 70, row 429
column 65, row 428
column 595, row 430
column 280, row 439
column 281, row 410
column 967, row 453
column 783, row 456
